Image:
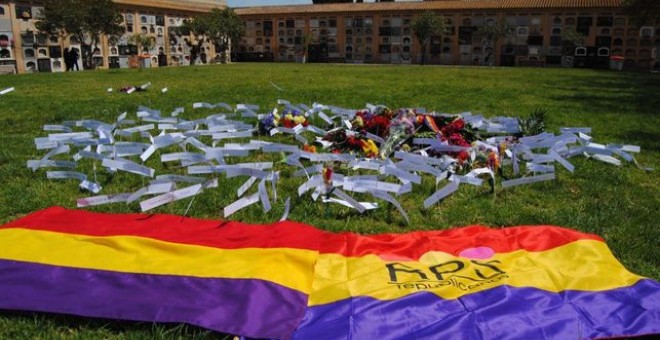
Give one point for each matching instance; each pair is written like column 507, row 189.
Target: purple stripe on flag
column 500, row 313
column 249, row 307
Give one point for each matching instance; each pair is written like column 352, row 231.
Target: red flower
column 458, row 124
column 287, row 123
column 462, row 157
column 327, row 175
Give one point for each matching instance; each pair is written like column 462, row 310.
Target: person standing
column 67, row 59
column 74, row 59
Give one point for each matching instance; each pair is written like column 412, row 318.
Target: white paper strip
column 128, row 166
column 7, row 90
column 43, row 143
column 365, row 205
column 179, row 178
column 540, row 168
column 178, row 156
column 35, row 164
column 287, row 208
column 631, row 148
column 313, row 182
column 59, row 128
column 608, row 159
column 147, row 153
column 386, row 197
column 243, row 188
column 276, row 147
column 240, row 204
column 314, row 169
column 481, row 171
column 528, row 180
column 576, row 129
column 263, row 196
column 152, row 189
column 415, row 158
column 69, row 136
column 402, row 175
column 229, row 135
column 562, row 161
column 514, row 158
column 170, row 197
column 409, row 166
column 235, row 171
column 325, row 117
column 140, row 128
column 301, row 139
column 350, row 200
column 442, row 193
column 90, row 186
column 66, row 175
column 628, row 157
column 104, row 199
column 467, row 179
column 370, row 186
column 375, row 138
column 314, row 129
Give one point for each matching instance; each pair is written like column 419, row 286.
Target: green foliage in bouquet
column 534, row 123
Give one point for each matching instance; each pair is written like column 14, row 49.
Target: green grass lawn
column 618, row 203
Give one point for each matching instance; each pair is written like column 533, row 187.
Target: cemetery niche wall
column 24, row 50
column 381, row 33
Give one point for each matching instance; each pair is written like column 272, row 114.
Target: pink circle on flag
column 478, row 253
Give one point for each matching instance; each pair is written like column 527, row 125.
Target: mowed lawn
column 621, row 204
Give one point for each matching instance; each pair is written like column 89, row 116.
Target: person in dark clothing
column 74, row 59
column 67, row 59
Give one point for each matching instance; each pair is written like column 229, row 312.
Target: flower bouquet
column 351, row 142
column 289, row 118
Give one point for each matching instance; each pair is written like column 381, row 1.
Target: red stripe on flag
column 233, row 235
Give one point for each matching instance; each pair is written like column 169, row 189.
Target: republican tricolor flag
column 289, row 280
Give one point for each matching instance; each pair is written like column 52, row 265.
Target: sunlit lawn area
column 618, row 203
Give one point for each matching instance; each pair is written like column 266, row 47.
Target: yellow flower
column 369, row 148
column 358, row 122
column 299, row 119
column 289, row 116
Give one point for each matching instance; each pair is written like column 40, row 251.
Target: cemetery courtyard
column 619, row 203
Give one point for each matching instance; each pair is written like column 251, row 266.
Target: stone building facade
column 348, row 32
column 381, row 33
column 23, row 49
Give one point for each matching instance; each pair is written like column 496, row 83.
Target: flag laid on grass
column 288, row 280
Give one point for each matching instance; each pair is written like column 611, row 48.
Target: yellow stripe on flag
column 585, row 265
column 292, row 268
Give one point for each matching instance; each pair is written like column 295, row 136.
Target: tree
column 228, row 30
column 426, row 26
column 643, row 12
column 144, row 42
column 490, row 34
column 198, row 27
column 222, row 27
column 81, row 20
column 571, row 39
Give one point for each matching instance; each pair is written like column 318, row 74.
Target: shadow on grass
column 32, row 325
column 616, row 92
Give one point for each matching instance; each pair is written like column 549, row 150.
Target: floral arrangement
column 351, row 142
column 289, row 118
column 376, row 123
column 397, row 129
